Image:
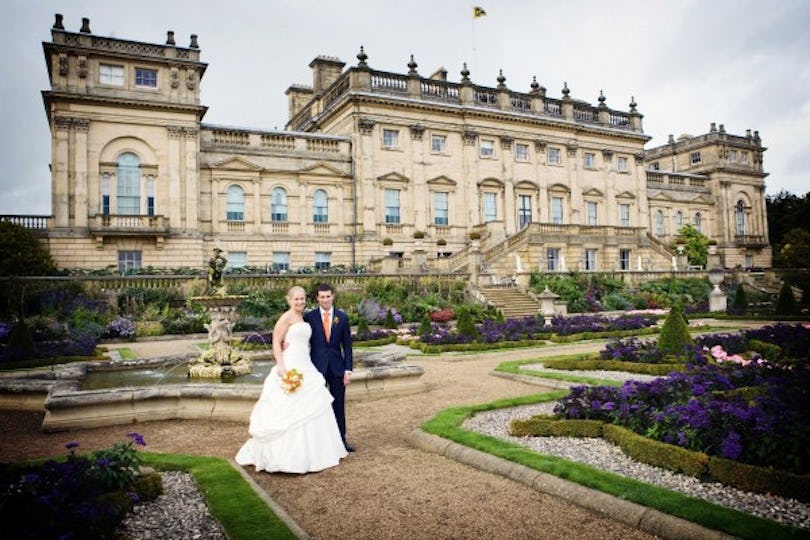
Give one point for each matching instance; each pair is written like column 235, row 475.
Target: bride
column 295, row 430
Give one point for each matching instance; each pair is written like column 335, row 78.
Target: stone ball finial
column 362, row 57
column 170, row 37
column 501, row 79
column 412, row 65
column 601, row 97
column 194, row 44
column 85, row 29
column 465, row 73
column 58, row 25
column 565, row 90
column 535, row 86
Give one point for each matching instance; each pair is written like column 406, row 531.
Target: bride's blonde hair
column 294, row 289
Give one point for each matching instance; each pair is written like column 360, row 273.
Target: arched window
column 678, row 221
column 659, row 223
column 320, row 207
column 278, row 205
column 128, row 185
column 698, row 222
column 235, row 204
column 740, row 215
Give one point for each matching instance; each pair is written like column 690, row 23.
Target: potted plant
column 419, row 234
column 387, row 241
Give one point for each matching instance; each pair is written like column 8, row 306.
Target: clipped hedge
column 375, row 342
column 667, row 456
column 456, row 347
column 582, row 336
column 760, row 479
column 613, row 365
column 548, row 426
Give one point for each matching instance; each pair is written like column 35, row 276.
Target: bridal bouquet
column 291, row 380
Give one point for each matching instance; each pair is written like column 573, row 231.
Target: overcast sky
column 741, row 63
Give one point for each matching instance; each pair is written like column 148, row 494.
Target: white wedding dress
column 295, row 432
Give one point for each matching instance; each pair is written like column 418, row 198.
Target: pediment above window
column 559, row 188
column 236, row 164
column 441, row 181
column 593, row 192
column 491, row 182
column 527, row 185
column 625, row 195
column 324, row 169
column 393, row 177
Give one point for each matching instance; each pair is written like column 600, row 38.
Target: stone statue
column 216, row 268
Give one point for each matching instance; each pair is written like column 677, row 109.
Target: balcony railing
column 29, row 222
column 750, row 240
column 126, row 225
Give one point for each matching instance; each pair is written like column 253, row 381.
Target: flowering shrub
column 84, row 496
column 751, row 413
column 442, row 315
column 120, row 327
column 374, row 313
column 633, row 350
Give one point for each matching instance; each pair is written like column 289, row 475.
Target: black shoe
column 349, row 448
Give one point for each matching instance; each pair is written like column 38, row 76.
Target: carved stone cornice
column 417, row 130
column 365, row 125
column 81, row 125
column 571, row 149
column 639, row 158
column 62, row 122
column 607, row 155
column 175, row 132
column 540, row 145
column 506, row 142
column 191, row 133
column 469, row 136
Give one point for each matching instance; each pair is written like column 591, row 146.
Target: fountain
column 221, row 360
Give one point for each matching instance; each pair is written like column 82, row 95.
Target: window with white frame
column 659, row 223
column 438, row 144
column 128, row 185
column 146, row 78
column 740, row 217
column 235, row 203
column 557, row 210
column 524, row 210
column 554, row 156
column 732, row 156
column 390, row 138
column 281, row 261
column 490, row 207
column 392, row 214
column 743, row 157
column 694, row 158
column 589, row 160
column 624, row 259
column 320, row 206
column 553, row 259
column 590, row 260
column 487, row 148
column 749, row 261
column 678, row 221
column 698, row 222
column 150, row 196
column 129, row 260
column 521, row 152
column 441, row 208
column 105, row 194
column 323, row 260
column 592, row 216
column 621, row 164
column 236, row 259
column 624, row 214
column 278, row 204
column 111, row 75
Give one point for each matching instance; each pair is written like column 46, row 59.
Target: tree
column 674, row 336
column 696, row 245
column 22, row 254
column 786, row 212
column 794, row 251
column 786, row 302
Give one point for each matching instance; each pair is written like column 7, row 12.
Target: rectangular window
column 624, row 215
column 624, row 259
column 554, row 156
column 521, row 152
column 621, row 164
column 592, row 217
column 490, row 207
column 112, row 75
column 524, row 210
column 105, row 194
column 281, row 261
column 237, row 259
column 129, row 260
column 441, row 208
column 487, row 148
column 438, row 144
column 391, row 138
column 743, row 157
column 553, row 259
column 694, row 158
column 590, row 260
column 656, row 166
column 732, row 156
column 150, row 197
column 323, row 260
column 146, row 77
column 392, row 206
column 749, row 261
column 557, row 210
column 589, row 160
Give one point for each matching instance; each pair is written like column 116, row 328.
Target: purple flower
column 732, row 447
column 71, row 445
column 137, row 437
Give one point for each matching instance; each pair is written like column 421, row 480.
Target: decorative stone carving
column 639, row 158
column 81, row 125
column 62, row 122
column 571, row 149
column 174, row 78
column 83, row 67
column 506, row 142
column 417, row 130
column 191, row 79
column 607, row 155
column 175, row 132
column 539, row 145
column 469, row 136
column 63, row 64
column 190, row 133
column 365, row 125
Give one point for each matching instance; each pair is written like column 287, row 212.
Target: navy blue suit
column 332, row 359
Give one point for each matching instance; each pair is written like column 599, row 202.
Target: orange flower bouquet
column 291, row 380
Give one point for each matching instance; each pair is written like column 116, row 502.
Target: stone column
column 80, row 195
column 192, row 181
column 172, row 178
column 60, row 172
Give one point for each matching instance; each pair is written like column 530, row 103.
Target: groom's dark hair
column 323, row 287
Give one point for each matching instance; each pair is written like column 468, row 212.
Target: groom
column 331, row 351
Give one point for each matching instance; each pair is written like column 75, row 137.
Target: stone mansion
column 375, row 167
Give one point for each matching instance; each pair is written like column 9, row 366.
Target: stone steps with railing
column 512, row 301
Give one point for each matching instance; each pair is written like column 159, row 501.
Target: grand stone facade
column 375, row 169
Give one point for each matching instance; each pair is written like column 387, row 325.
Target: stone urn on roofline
column 220, row 360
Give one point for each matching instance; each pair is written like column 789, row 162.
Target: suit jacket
column 334, row 357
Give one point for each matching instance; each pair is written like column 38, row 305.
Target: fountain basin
column 58, row 391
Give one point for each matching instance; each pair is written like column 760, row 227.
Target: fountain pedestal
column 221, row 360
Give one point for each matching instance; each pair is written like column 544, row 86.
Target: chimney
column 85, row 29
column 325, row 71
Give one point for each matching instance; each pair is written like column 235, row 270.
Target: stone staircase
column 512, row 301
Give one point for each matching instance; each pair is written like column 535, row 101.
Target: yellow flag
column 478, row 12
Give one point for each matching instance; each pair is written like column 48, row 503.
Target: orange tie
column 326, row 328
